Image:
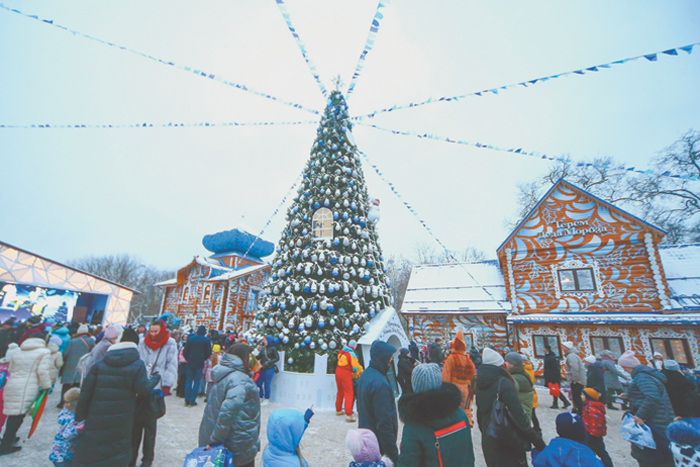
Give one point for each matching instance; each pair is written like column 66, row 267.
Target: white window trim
column 577, row 264
column 323, row 238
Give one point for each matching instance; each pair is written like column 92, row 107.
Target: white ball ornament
column 312, row 346
column 296, row 345
column 332, row 345
column 290, row 360
column 324, row 347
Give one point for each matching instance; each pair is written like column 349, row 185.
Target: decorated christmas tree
column 328, row 279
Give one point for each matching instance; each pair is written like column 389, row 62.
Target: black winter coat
column 596, row 379
column 435, row 354
column 423, row 414
column 107, row 404
column 681, row 391
column 268, row 357
column 487, row 383
column 552, row 369
column 197, row 351
column 405, row 372
column 375, row 400
column 413, row 349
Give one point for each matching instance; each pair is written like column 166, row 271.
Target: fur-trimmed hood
column 430, row 406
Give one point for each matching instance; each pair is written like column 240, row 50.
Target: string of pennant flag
column 425, row 226
column 190, row 69
column 652, row 57
column 277, row 210
column 302, row 47
column 373, row 30
column 161, row 125
column 535, row 154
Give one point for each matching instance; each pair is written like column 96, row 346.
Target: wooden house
column 222, row 291
column 580, row 269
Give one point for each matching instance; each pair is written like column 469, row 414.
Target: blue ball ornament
column 355, row 219
column 363, row 223
column 370, row 263
column 334, row 260
column 285, row 340
column 303, row 344
column 326, row 203
column 336, row 242
column 307, row 289
column 321, row 324
column 274, row 277
column 351, row 184
column 371, row 313
column 314, row 307
column 335, row 217
column 301, row 327
column 295, row 210
column 353, row 206
column 320, row 143
column 345, row 216
column 307, row 340
column 307, row 194
column 331, row 308
column 335, row 147
column 335, row 273
column 283, row 307
column 317, row 205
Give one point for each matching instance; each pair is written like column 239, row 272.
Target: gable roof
column 218, row 271
column 456, row 288
column 583, row 192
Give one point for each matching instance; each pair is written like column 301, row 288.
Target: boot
column 339, row 413
column 350, row 419
column 9, row 449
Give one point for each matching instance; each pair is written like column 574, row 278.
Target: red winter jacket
column 594, row 418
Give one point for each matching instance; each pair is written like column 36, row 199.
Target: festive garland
column 652, row 57
column 302, row 47
column 373, row 30
column 523, row 152
column 160, row 125
column 194, row 70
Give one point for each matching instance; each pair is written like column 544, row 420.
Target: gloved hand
column 166, row 390
column 539, row 444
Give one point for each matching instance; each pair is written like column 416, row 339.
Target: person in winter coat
column 435, row 353
column 111, row 336
column 595, row 378
column 459, row 370
column 63, row 447
column 181, row 368
column 658, row 361
column 8, row 335
column 375, row 400
column 530, row 370
column 82, row 343
column 596, row 425
column 158, row 351
column 434, row 406
column 611, row 378
column 649, row 403
column 107, row 405
column 523, row 384
column 364, row 447
column 285, row 429
column 30, row 372
column 494, row 383
column 414, row 351
column 34, row 327
column 405, row 370
column 568, row 449
column 268, row 358
column 64, row 335
column 347, row 365
column 232, row 414
column 575, row 375
column 197, row 351
column 56, row 358
column 552, row 375
column 209, row 366
column 681, row 391
column 475, row 357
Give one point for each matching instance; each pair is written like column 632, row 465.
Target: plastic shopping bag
column 554, row 389
column 217, row 456
column 640, row 435
column 685, row 455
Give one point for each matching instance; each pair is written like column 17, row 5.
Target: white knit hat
column 590, row 359
column 83, row 329
column 491, row 357
column 568, row 345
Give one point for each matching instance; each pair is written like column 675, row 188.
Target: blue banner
column 653, row 57
column 373, row 30
column 194, row 70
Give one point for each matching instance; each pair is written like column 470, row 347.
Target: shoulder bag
column 154, row 402
column 503, row 428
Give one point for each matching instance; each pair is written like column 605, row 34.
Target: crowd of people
column 114, row 382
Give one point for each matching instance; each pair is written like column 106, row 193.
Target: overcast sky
column 155, row 192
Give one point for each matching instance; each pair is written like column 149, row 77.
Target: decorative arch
column 207, row 292
column 322, row 224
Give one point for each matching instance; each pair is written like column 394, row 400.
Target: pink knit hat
column 363, row 445
column 628, row 360
column 113, row 331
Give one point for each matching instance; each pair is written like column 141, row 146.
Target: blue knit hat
column 571, row 427
column 426, row 376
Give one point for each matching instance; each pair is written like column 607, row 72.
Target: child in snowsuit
column 64, row 442
column 364, row 447
column 208, row 366
column 596, row 425
column 284, row 431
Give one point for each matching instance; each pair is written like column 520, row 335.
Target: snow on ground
column 322, row 445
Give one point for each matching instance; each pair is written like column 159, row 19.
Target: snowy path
column 323, row 443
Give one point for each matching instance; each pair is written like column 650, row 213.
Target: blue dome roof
column 238, row 241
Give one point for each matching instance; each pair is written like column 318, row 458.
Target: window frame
column 206, row 293
column 576, row 280
column 606, row 345
column 668, row 349
column 325, row 231
column 545, row 339
column 185, row 294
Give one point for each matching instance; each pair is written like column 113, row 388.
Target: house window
column 613, row 344
column 253, row 300
column 207, row 292
column 576, row 280
column 186, row 294
column 247, row 324
column 673, row 349
column 322, row 224
column 552, row 341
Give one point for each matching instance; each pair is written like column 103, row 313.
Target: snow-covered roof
column 682, row 267
column 218, row 271
column 238, row 272
column 166, row 283
column 607, row 318
column 382, row 326
column 456, row 288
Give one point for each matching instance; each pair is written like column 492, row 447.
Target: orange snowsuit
column 459, row 370
column 347, row 366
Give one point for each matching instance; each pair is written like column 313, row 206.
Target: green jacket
column 523, row 385
column 423, row 414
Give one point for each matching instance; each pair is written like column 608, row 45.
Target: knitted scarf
column 154, row 343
